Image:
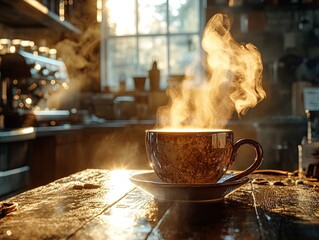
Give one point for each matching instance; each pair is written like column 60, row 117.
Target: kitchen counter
column 103, row 204
column 237, row 126
column 15, row 135
column 58, row 151
column 51, row 130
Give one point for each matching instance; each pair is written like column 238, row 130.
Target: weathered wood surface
column 68, row 209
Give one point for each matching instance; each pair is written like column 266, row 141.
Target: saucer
column 207, row 192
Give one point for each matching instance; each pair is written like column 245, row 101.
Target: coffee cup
column 196, row 156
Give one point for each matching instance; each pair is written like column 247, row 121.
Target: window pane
column 183, row 50
column 122, row 60
column 151, row 48
column 152, row 16
column 133, row 41
column 121, row 20
column 183, row 16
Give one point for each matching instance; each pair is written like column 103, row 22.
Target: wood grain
column 115, row 209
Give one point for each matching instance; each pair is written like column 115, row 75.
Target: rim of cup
column 188, row 131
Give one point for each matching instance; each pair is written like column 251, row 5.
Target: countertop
column 107, row 123
column 103, row 204
column 19, row 134
column 237, row 126
column 28, row 133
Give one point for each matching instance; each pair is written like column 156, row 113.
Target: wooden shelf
column 26, row 14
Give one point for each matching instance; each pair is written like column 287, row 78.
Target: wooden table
column 69, row 209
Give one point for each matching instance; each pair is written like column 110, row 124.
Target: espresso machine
column 28, row 80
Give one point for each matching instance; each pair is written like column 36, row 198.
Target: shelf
column 32, row 14
column 262, row 7
column 236, row 9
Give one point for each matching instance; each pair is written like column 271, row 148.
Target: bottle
column 154, row 76
column 309, row 149
column 122, row 82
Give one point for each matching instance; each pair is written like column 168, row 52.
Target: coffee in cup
column 196, row 156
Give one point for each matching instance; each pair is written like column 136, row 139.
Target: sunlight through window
column 134, row 35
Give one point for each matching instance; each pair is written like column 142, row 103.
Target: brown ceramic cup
column 196, row 156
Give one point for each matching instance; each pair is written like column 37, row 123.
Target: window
column 136, row 32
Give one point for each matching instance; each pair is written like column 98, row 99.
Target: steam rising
column 233, row 82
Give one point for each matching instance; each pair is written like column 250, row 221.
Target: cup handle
column 259, row 156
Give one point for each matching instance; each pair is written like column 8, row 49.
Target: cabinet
column 15, row 155
column 113, row 148
column 70, row 153
column 258, row 16
column 61, row 153
column 56, row 156
column 42, row 162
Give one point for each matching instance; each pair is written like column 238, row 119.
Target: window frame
column 105, row 36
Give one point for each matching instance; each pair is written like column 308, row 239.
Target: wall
column 282, row 35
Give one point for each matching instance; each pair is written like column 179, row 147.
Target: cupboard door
column 42, row 161
column 70, row 154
